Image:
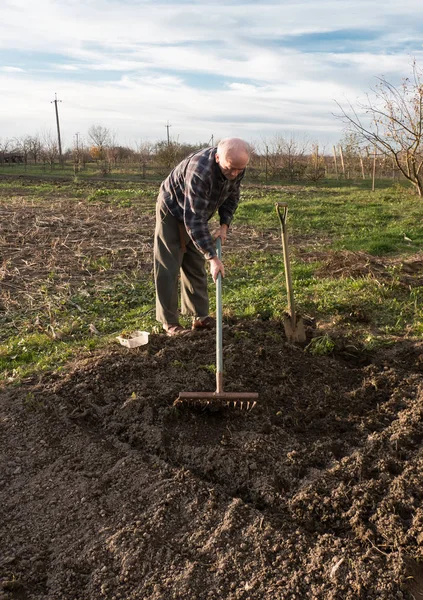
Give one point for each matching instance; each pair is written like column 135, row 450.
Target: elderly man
column 205, row 182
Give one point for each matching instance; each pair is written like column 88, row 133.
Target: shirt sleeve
column 197, row 192
column 228, row 208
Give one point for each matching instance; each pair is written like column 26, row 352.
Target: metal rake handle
column 219, row 336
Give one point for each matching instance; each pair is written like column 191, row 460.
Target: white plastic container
column 135, row 339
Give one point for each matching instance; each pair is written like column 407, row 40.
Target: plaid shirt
column 194, row 191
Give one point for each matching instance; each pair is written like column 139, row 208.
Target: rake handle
column 219, row 336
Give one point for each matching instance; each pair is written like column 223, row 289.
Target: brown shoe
column 174, row 330
column 205, row 324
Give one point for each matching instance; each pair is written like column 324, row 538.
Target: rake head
column 241, row 401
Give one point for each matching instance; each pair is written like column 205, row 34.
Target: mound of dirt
column 108, row 491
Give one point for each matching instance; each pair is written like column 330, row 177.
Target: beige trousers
column 175, row 255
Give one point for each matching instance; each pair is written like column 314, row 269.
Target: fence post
column 336, row 164
column 342, row 160
column 362, row 167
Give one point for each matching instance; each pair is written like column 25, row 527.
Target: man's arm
column 229, row 206
column 197, row 193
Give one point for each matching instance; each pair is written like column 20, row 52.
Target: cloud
column 227, row 67
column 61, row 67
column 11, row 70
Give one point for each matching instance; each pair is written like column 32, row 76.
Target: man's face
column 232, row 165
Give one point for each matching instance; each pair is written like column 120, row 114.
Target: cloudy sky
column 254, row 69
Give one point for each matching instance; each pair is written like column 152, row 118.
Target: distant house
column 10, row 158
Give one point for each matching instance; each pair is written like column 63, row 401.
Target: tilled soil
column 108, row 491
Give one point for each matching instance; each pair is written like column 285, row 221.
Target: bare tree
column 100, row 137
column 168, row 154
column 352, row 149
column 35, row 147
column 396, row 124
column 5, row 145
column 50, row 149
column 316, row 168
column 144, row 153
column 144, row 150
column 286, row 157
column 23, row 146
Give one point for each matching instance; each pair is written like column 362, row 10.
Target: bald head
column 233, row 146
column 232, row 156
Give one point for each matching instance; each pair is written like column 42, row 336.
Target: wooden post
column 362, row 167
column 336, row 164
column 342, row 160
column 267, row 154
column 374, row 170
column 316, row 157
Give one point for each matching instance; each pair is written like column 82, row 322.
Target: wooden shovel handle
column 288, row 278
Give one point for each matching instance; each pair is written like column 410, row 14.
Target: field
column 108, row 491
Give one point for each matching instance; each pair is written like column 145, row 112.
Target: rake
column 219, row 398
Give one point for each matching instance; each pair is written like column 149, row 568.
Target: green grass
column 257, row 290
column 92, row 171
column 119, row 308
column 321, row 219
column 346, row 218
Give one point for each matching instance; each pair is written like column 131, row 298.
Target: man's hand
column 216, row 267
column 221, row 232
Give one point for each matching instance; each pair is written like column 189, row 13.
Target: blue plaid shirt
column 194, row 191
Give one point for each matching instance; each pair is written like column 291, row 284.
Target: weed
column 33, row 403
column 208, row 368
column 178, row 364
column 375, row 342
column 321, row 346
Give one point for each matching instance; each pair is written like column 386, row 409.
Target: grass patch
column 346, row 218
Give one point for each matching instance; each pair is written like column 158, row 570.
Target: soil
column 108, row 491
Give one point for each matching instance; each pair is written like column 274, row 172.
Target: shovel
column 293, row 324
column 219, row 398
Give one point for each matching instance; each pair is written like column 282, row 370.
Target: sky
column 252, row 69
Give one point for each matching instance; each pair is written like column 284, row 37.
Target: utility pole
column 168, row 136
column 55, row 101
column 76, row 161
